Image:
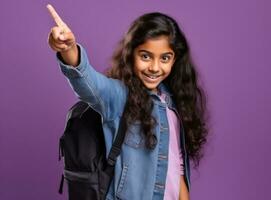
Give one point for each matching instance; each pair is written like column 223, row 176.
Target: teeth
column 151, row 76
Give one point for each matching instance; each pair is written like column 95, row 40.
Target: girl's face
column 153, row 61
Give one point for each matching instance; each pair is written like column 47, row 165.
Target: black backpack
column 87, row 171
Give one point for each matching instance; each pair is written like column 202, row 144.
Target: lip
column 151, row 78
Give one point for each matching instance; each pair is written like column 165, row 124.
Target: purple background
column 230, row 42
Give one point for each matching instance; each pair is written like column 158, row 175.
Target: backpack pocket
column 82, row 185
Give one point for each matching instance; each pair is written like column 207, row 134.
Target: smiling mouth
column 151, row 76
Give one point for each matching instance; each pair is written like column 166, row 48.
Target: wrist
column 71, row 55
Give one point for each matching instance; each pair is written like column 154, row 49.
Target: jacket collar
column 162, row 88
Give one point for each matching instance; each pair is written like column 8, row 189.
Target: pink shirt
column 175, row 160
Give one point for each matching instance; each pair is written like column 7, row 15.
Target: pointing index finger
column 55, row 16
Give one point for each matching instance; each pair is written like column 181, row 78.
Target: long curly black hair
column 182, row 82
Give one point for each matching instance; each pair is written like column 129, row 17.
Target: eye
column 145, row 56
column 166, row 58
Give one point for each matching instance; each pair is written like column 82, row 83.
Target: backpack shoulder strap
column 116, row 147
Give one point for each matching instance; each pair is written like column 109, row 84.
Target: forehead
column 156, row 45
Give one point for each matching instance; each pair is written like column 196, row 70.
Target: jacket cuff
column 71, row 71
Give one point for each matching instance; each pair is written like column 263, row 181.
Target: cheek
column 139, row 65
column 136, row 67
column 167, row 69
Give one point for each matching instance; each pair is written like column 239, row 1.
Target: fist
column 60, row 37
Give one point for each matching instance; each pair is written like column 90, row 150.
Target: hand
column 61, row 38
column 184, row 194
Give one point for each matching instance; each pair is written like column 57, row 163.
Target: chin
column 152, row 87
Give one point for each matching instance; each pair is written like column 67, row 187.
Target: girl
column 152, row 72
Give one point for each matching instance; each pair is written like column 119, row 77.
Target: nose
column 154, row 67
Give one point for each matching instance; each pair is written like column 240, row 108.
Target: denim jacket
column 140, row 173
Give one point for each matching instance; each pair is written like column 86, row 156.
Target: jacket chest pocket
column 134, row 136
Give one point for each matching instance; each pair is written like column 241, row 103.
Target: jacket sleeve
column 105, row 95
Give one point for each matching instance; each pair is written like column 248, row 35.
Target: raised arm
column 107, row 96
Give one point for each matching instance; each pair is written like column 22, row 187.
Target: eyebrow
column 145, row 51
